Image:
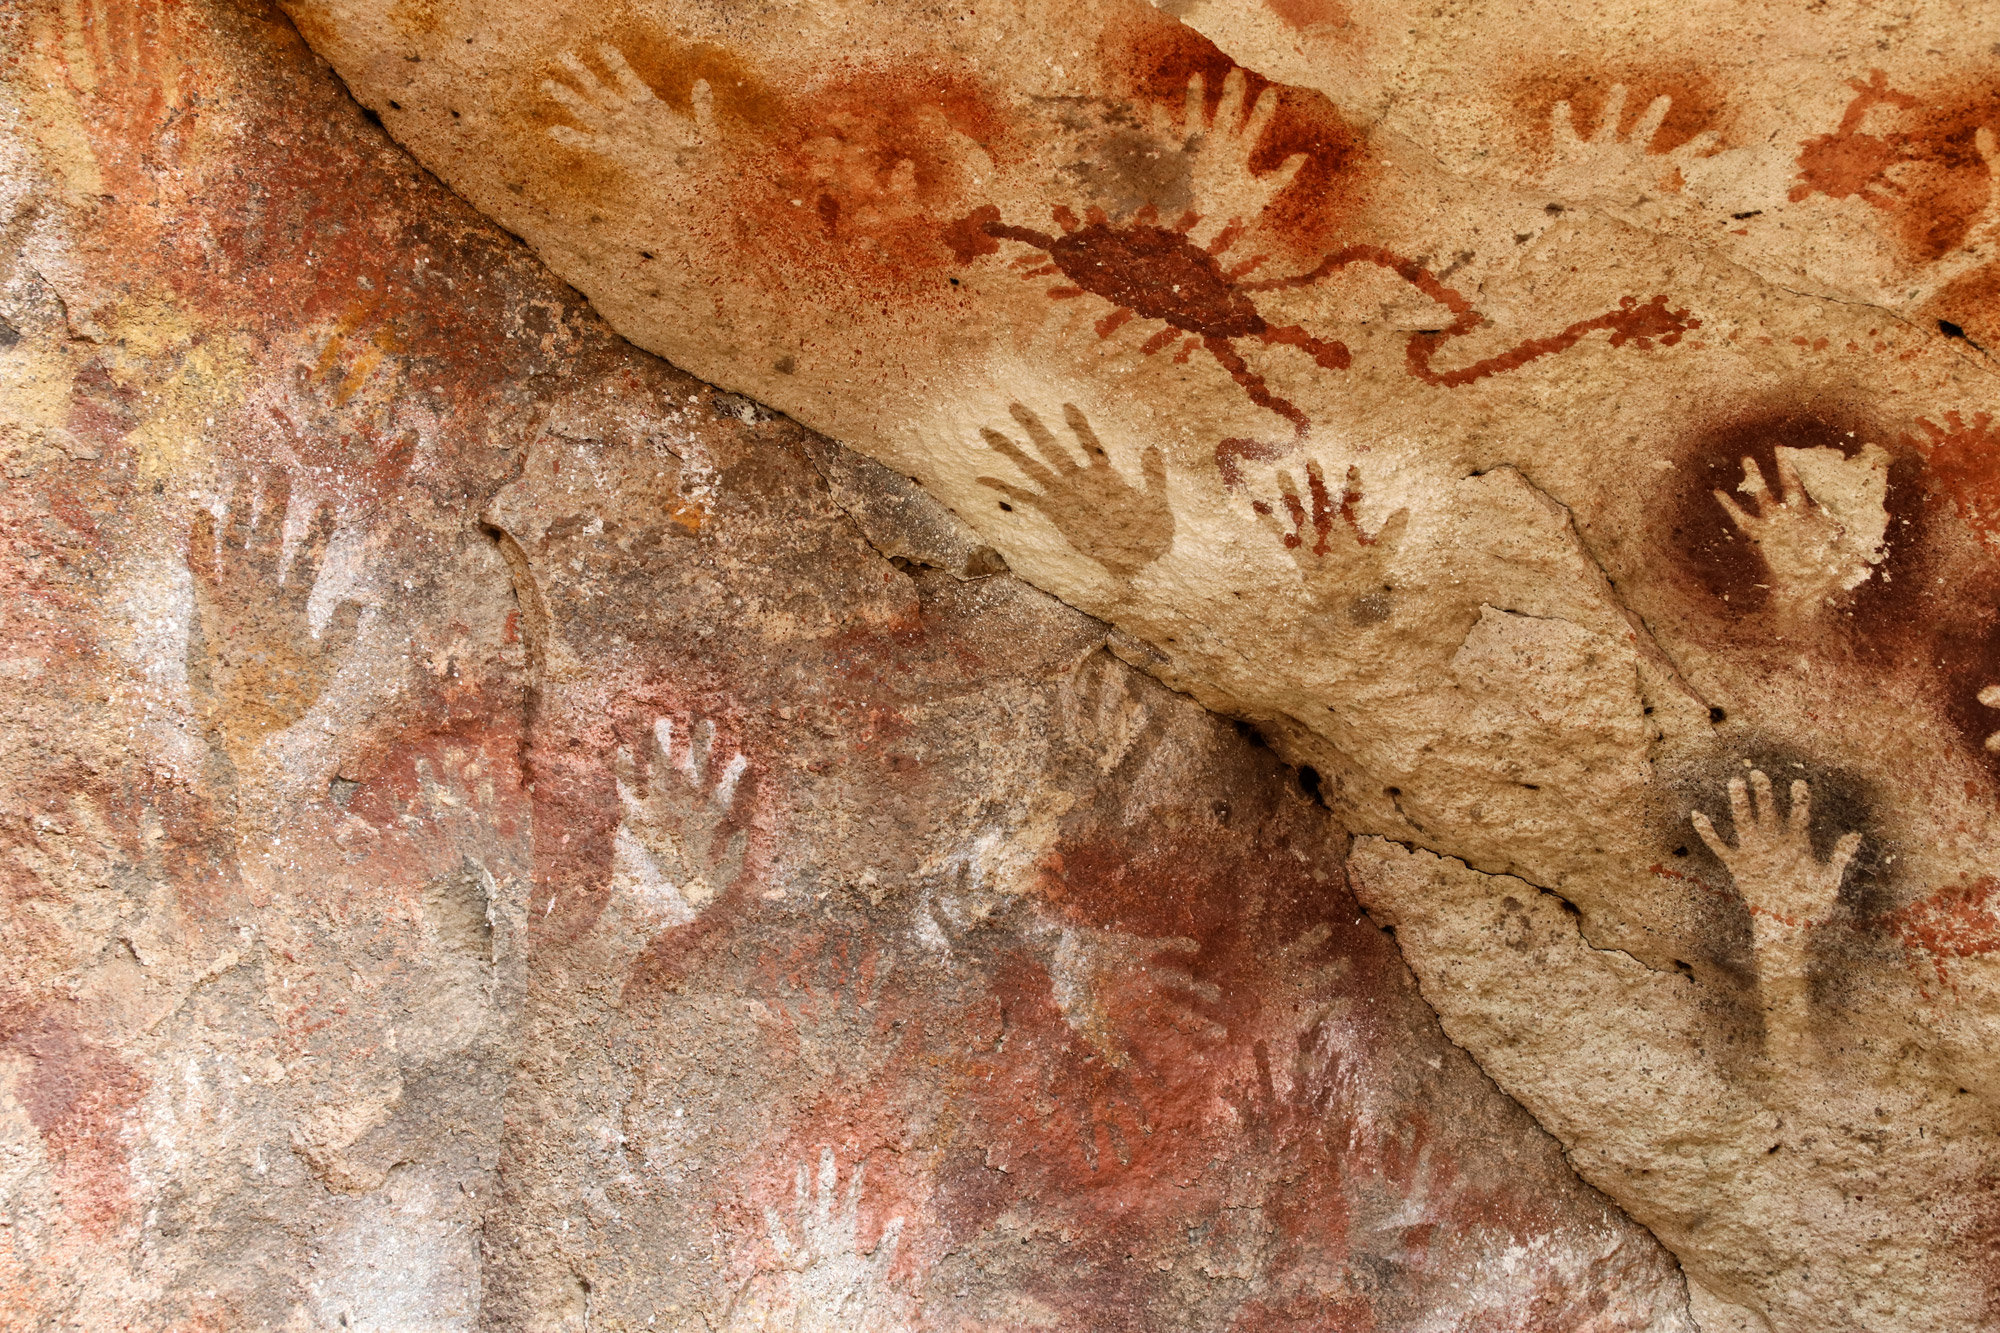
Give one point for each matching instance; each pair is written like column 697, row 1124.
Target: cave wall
column 1565, row 429
column 501, row 833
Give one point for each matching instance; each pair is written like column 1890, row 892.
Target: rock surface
column 1566, row 430
column 502, row 834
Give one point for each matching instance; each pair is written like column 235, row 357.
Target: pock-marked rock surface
column 1566, row 430
column 501, row 834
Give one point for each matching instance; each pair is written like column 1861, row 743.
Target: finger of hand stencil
column 701, row 751
column 311, row 555
column 1014, row 454
column 1791, row 488
column 1045, row 443
column 1608, row 118
column 1194, row 116
column 1268, row 518
column 1989, row 148
column 1322, row 499
column 589, row 113
column 1739, row 809
column 1752, row 484
column 201, row 545
column 1229, row 111
column 1079, row 426
column 1767, row 810
column 1390, row 534
column 725, row 786
column 1260, row 119
column 829, row 1178
column 588, row 87
column 1562, row 126
column 630, row 86
column 1648, row 123
column 625, row 772
column 1295, row 507
column 1702, row 145
column 236, row 523
column 1705, row 830
column 781, row 1240
column 1154, row 465
column 1843, row 852
column 657, row 750
column 88, row 23
column 1011, row 491
column 851, row 1201
column 267, row 537
column 571, row 101
column 1277, row 182
column 701, row 100
column 1800, row 818
column 1738, row 515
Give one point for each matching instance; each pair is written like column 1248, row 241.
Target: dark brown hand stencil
column 1115, row 523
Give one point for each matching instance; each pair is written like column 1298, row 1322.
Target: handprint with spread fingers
column 676, row 846
column 1121, row 526
column 620, row 119
column 1788, row 890
column 1772, row 861
column 1225, row 190
column 1121, row 992
column 1961, row 454
column 119, row 58
column 1811, row 555
column 254, row 663
column 1607, row 163
column 836, row 1284
column 1337, row 560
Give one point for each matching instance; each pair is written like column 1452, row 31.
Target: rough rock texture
column 499, row 833
column 1566, row 429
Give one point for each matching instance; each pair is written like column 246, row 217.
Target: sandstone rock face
column 502, row 834
column 1566, row 430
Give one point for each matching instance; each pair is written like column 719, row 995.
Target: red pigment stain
column 1155, row 56
column 1962, row 921
column 1851, row 163
column 1697, row 103
column 1915, row 155
column 1964, row 456
column 1324, row 511
column 843, row 175
column 875, row 159
column 1307, row 15
column 81, row 1098
column 1153, row 272
column 1970, row 301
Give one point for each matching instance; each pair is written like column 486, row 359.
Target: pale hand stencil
column 675, row 848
